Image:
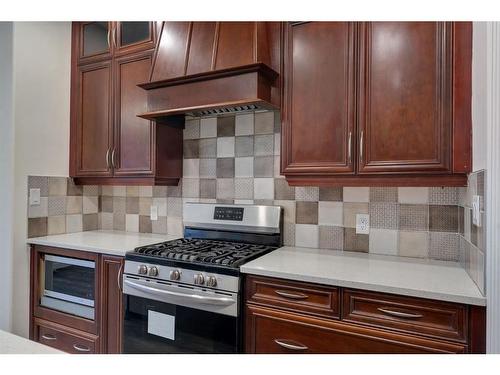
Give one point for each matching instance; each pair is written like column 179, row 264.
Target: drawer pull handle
column 400, row 314
column 282, row 293
column 81, row 348
column 292, row 345
column 49, row 337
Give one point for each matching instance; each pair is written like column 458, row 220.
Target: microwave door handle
column 197, row 297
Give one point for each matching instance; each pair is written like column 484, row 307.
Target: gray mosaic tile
column 207, row 188
column 160, row 191
column 225, row 167
column 39, row 182
column 90, row 222
column 208, row 148
column 192, row 129
column 414, row 217
column 383, row 194
column 282, row 191
column 244, row 146
column 264, row 122
column 37, row 227
column 132, row 205
column 191, row 187
column 208, row 168
column 57, row 186
column 119, row 221
column 355, row 242
column 225, row 188
column 72, row 189
column 243, row 188
column 174, row 207
column 331, row 194
column 307, row 193
column 57, row 206
column 106, row 204
column 225, row 126
column 145, row 224
column 263, row 166
column 331, row 237
column 159, row 226
column 306, row 213
column 444, row 246
column 264, row 145
column 443, row 196
column 91, row 190
column 175, row 191
column 443, row 218
column 119, row 205
column 289, row 234
column 191, row 149
column 384, row 215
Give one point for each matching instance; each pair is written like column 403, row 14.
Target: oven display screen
column 228, row 213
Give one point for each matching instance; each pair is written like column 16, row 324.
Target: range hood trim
column 262, row 68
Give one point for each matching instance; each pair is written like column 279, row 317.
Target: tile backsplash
column 472, row 237
column 235, row 159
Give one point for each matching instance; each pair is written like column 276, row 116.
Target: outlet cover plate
column 362, row 224
column 34, row 197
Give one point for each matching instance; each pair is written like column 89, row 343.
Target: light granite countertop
column 13, row 344
column 102, row 241
column 445, row 281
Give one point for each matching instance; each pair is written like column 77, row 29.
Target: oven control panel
column 229, row 213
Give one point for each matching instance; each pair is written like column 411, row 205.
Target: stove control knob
column 153, row 271
column 211, row 281
column 175, row 275
column 142, row 270
column 199, row 279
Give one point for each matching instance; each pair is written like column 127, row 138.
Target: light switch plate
column 362, row 224
column 154, row 213
column 476, row 210
column 34, row 197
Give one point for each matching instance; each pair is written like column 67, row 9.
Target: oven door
column 68, row 285
column 162, row 317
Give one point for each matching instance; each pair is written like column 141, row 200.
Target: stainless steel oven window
column 68, row 285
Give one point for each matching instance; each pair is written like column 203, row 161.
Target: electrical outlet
column 362, row 224
column 34, row 197
column 476, row 210
column 154, row 213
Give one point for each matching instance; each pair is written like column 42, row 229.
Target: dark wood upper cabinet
column 109, row 144
column 133, row 143
column 318, row 101
column 94, row 40
column 94, row 132
column 402, row 89
column 405, row 96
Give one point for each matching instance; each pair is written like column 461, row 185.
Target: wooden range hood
column 212, row 68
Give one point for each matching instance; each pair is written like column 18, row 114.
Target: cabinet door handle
column 400, row 314
column 114, row 37
column 289, row 344
column 113, row 158
column 361, row 146
column 109, row 35
column 81, row 348
column 282, row 293
column 119, row 278
column 49, row 337
column 349, row 148
column 107, row 158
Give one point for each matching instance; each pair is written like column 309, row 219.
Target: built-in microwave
column 68, row 285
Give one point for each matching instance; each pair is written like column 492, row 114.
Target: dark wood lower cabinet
column 70, row 333
column 278, row 321
column 112, row 313
column 273, row 331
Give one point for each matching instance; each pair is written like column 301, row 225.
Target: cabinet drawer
column 65, row 339
column 431, row 318
column 294, row 296
column 269, row 331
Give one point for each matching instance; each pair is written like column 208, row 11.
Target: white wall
column 7, row 173
column 479, row 96
column 42, row 62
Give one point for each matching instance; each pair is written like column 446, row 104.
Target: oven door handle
column 223, row 301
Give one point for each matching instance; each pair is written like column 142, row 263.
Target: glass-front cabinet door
column 134, row 35
column 95, row 39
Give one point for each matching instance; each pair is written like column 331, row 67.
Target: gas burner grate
column 223, row 253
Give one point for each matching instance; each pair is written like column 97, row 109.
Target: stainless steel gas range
column 184, row 296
